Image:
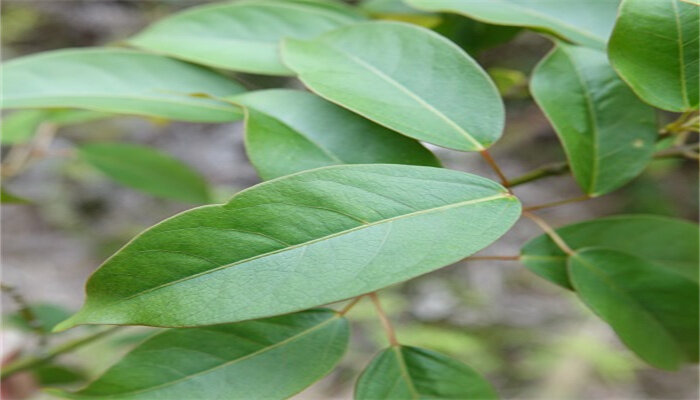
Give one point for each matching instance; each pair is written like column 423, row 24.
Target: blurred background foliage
column 530, row 338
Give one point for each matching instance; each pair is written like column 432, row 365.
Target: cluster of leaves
column 353, row 202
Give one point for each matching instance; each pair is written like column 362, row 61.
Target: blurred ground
column 531, row 339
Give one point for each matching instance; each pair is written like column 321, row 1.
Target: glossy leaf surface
column 667, row 242
column 404, row 77
column 242, row 35
column 271, row 358
column 119, row 81
column 298, row 241
column 654, row 310
column 289, row 131
column 406, row 372
column 147, row 170
column 654, row 47
column 607, row 132
column 587, row 22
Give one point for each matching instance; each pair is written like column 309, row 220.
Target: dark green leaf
column 53, row 374
column 147, row 170
column 584, row 22
column 584, row 99
column 271, row 358
column 654, row 47
column 242, row 35
column 654, row 310
column 289, row 131
column 404, row 77
column 667, row 242
column 298, row 241
column 118, row 81
column 405, row 372
column 474, row 36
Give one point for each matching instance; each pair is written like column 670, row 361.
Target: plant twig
column 350, row 305
column 544, row 171
column 492, row 163
column 558, row 203
column 549, row 231
column 25, row 312
column 388, row 328
column 502, row 258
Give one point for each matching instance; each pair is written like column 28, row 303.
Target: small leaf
column 654, row 310
column 583, row 98
column 147, row 170
column 296, row 242
column 406, row 78
column 243, row 35
column 654, row 47
column 587, row 23
column 9, row 198
column 47, row 317
column 272, row 358
column 667, row 242
column 119, row 81
column 289, row 131
column 405, row 372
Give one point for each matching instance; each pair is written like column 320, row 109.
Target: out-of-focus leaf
column 147, row 170
column 474, row 36
column 47, row 316
column 510, row 82
column 20, row 126
column 9, row 198
column 54, row 375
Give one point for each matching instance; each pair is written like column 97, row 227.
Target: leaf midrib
column 681, row 55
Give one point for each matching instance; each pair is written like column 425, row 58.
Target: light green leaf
column 587, row 23
column 584, row 99
column 654, row 48
column 47, row 317
column 404, row 77
column 652, row 309
column 20, row 126
column 298, row 241
column 9, row 198
column 271, row 358
column 242, row 35
column 147, row 170
column 118, row 81
column 667, row 242
column 289, row 131
column 405, row 372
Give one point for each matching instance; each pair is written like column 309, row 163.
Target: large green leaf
column 147, row 170
column 667, row 242
column 654, row 47
column 607, row 132
column 584, row 22
column 271, row 358
column 242, row 35
column 652, row 309
column 407, row 78
column 298, row 241
column 119, row 81
column 289, row 131
column 404, row 372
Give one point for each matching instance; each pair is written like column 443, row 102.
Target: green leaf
column 9, row 198
column 272, row 358
column 47, row 317
column 405, row 372
column 296, row 242
column 54, row 374
column 583, row 98
column 654, row 310
column 147, row 170
column 289, row 131
column 404, row 77
column 474, row 36
column 587, row 23
column 667, row 242
column 118, row 81
column 244, row 35
column 20, row 126
column 654, row 48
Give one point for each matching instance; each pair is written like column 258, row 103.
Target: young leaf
column 406, row 78
column 607, row 132
column 586, row 23
column 271, row 358
column 405, row 372
column 654, row 310
column 244, row 35
column 118, row 81
column 654, row 48
column 289, row 131
column 298, row 241
column 667, row 242
column 147, row 170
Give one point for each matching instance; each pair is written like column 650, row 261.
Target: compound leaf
column 289, row 131
column 583, row 98
column 296, row 242
column 404, row 77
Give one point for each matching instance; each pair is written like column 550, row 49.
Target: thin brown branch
column 558, row 203
column 350, row 305
column 492, row 163
column 501, row 258
column 550, row 232
column 388, row 328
